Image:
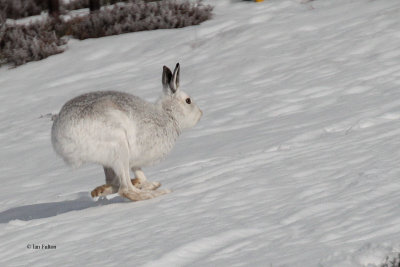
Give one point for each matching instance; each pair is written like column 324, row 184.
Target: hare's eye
column 188, row 100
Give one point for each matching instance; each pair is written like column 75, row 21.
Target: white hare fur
column 122, row 132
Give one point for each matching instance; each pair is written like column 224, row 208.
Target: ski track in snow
column 295, row 162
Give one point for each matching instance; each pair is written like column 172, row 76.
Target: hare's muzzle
column 201, row 115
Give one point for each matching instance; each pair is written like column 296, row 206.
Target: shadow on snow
column 45, row 210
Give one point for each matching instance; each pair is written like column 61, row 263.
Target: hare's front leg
column 111, row 186
column 141, row 182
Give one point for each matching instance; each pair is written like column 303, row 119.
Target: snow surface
column 295, row 162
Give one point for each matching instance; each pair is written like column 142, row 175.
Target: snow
column 294, row 163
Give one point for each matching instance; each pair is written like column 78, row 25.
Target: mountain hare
column 122, row 132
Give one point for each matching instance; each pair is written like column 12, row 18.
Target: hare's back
column 97, row 103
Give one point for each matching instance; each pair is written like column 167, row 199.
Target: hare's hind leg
column 141, row 182
column 112, row 183
column 121, row 169
column 117, row 173
column 135, row 194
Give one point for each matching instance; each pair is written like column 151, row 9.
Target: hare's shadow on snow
column 45, row 210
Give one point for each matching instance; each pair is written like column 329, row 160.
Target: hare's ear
column 175, row 78
column 166, row 80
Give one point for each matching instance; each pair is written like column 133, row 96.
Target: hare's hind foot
column 142, row 195
column 145, row 185
column 141, row 181
column 107, row 189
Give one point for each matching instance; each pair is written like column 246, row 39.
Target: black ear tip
column 164, row 67
column 177, row 65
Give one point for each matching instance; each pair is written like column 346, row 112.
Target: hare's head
column 176, row 102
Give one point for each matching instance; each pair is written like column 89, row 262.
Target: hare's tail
column 52, row 116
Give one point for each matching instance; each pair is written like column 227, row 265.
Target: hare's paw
column 102, row 190
column 145, row 185
column 143, row 195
